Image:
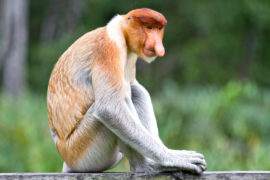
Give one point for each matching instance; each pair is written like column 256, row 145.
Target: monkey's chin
column 149, row 59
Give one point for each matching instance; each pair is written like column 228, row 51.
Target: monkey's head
column 144, row 30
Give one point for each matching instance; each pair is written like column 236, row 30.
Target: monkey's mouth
column 149, row 52
column 149, row 55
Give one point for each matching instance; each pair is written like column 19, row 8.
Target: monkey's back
column 70, row 95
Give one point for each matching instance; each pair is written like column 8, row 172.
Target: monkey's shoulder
column 94, row 46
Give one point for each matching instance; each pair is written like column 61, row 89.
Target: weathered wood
column 238, row 175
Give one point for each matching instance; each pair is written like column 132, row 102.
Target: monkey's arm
column 112, row 109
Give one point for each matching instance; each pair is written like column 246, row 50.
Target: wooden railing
column 211, row 175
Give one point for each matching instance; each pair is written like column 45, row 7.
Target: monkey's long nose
column 159, row 49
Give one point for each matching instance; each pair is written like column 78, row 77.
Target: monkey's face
column 144, row 33
column 152, row 46
column 145, row 40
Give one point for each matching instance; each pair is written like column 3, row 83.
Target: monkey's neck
column 128, row 59
column 116, row 34
column 130, row 66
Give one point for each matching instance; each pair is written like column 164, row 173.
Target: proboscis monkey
column 97, row 110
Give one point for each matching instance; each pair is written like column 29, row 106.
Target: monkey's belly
column 101, row 154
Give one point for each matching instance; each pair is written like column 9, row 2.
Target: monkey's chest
column 130, row 68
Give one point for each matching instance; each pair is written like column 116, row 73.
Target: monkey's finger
column 192, row 154
column 188, row 152
column 202, row 167
column 198, row 155
column 193, row 168
column 198, row 161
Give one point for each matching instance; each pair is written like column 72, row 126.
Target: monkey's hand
column 190, row 161
column 186, row 161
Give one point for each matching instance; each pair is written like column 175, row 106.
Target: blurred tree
column 61, row 17
column 14, row 47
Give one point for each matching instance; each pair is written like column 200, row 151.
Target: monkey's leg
column 102, row 153
column 144, row 109
column 116, row 114
column 90, row 148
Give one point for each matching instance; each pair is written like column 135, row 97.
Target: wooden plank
column 211, row 175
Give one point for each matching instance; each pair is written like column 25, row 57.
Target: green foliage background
column 210, row 91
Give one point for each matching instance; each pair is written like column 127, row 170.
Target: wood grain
column 228, row 175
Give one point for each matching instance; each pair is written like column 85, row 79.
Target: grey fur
column 139, row 132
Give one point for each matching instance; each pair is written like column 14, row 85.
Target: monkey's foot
column 150, row 166
column 190, row 161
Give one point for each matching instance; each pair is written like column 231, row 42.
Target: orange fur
column 135, row 36
column 108, row 60
column 68, row 102
column 148, row 16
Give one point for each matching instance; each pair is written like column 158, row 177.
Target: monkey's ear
column 128, row 20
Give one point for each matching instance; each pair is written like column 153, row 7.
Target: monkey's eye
column 149, row 27
column 160, row 27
